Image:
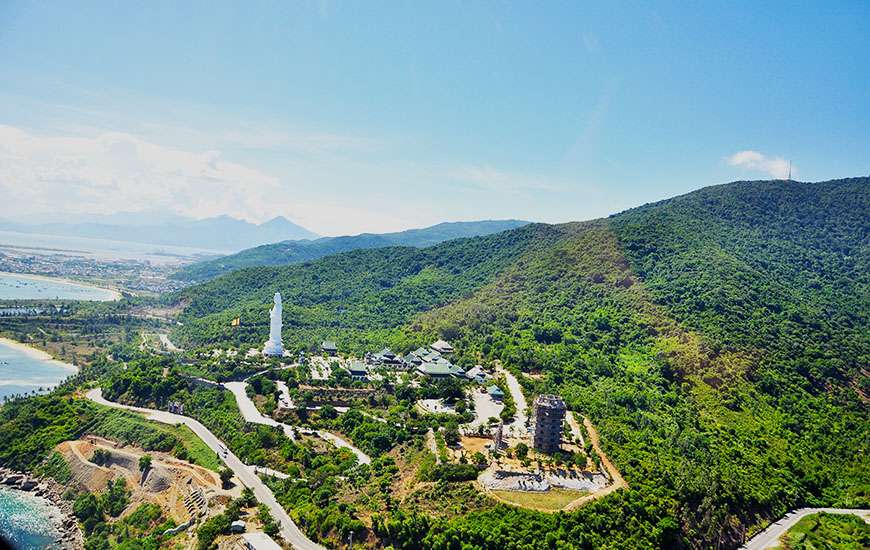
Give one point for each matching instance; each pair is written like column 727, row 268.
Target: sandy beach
column 116, row 295
column 37, row 354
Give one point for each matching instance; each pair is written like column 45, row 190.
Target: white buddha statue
column 275, row 346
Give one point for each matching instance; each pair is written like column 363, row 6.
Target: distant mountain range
column 290, row 252
column 222, row 234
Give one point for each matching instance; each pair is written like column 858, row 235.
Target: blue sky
column 370, row 116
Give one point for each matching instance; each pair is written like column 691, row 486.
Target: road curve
column 250, row 412
column 769, row 538
column 253, row 415
column 289, row 531
column 616, row 480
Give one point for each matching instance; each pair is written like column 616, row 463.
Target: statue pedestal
column 274, row 349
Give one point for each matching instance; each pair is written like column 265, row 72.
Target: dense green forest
column 352, row 297
column 717, row 340
column 291, row 252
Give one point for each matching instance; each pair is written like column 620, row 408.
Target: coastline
column 36, row 353
column 70, row 535
column 116, row 294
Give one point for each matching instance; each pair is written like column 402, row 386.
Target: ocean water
column 103, row 249
column 28, row 522
column 21, row 372
column 22, row 287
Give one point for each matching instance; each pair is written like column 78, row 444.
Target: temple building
column 442, row 347
column 548, row 416
column 358, row 371
column 329, row 348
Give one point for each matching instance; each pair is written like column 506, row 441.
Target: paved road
column 286, row 401
column 518, row 428
column 769, row 538
column 339, row 442
column 269, row 472
column 252, row 414
column 289, row 530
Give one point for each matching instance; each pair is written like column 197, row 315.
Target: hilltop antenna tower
column 789, row 170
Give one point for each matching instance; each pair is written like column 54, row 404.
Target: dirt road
column 616, row 480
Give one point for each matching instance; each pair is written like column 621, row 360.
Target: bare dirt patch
column 166, row 483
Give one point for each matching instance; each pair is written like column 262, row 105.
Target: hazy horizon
column 152, row 217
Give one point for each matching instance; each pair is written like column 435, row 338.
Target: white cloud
column 264, row 138
column 100, row 172
column 114, row 171
column 776, row 167
column 492, row 179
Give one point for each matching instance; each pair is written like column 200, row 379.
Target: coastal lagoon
column 15, row 286
column 24, row 369
column 103, row 249
column 28, row 522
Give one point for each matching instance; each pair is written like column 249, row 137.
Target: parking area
column 435, row 406
column 485, row 407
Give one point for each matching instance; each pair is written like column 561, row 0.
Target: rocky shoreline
column 47, row 488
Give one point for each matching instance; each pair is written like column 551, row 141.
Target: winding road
column 616, row 480
column 289, row 531
column 250, row 412
column 253, row 415
column 769, row 538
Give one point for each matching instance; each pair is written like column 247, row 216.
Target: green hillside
column 717, row 340
column 354, row 295
column 291, row 252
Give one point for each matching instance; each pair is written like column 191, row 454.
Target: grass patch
column 441, row 445
column 199, row 452
column 134, row 429
column 825, row 530
column 552, row 500
column 55, row 467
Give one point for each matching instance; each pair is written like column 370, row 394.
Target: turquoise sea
column 22, row 287
column 22, row 372
column 28, row 522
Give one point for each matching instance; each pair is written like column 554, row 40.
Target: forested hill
column 719, row 340
column 290, row 252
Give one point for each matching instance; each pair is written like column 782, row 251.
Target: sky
column 379, row 116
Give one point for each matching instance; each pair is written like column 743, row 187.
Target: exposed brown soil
column 166, row 483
